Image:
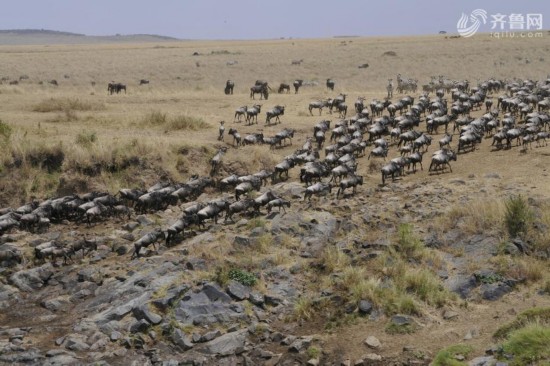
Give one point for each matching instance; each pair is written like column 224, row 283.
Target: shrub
column 86, row 139
column 447, row 356
column 303, row 308
column 528, row 345
column 534, row 315
column 408, row 244
column 518, row 216
column 245, row 278
column 5, row 130
column 186, row 123
column 155, row 118
column 63, row 104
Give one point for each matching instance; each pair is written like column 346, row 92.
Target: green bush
column 534, row 315
column 447, row 356
column 518, row 216
column 528, row 345
column 245, row 278
column 5, row 130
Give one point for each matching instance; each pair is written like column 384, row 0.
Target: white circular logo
column 467, row 26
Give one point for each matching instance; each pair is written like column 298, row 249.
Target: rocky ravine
column 166, row 307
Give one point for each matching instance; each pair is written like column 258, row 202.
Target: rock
column 482, row 361
column 227, row 344
column 181, row 340
column 493, row 175
column 313, row 362
column 75, row 342
column 90, row 274
column 472, row 333
column 401, row 320
column 272, row 300
column 196, row 264
column 365, row 307
column 300, row 344
column 207, row 337
column 462, row 285
column 238, row 291
column 120, row 249
column 143, row 312
column 373, row 342
column 174, row 293
column 140, row 326
column 131, row 226
column 256, row 298
column 432, row 240
column 241, row 241
column 143, row 220
column 209, row 305
column 449, row 314
column 32, row 279
column 115, row 336
column 494, row 291
column 372, row 357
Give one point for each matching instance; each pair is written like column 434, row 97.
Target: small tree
column 518, row 216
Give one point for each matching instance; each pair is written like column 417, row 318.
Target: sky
column 255, row 19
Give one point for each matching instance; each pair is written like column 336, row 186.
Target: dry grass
column 192, row 100
column 476, row 217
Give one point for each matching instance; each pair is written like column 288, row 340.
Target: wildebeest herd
column 517, row 117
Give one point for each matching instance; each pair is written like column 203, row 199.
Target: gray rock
column 207, row 337
column 115, row 336
column 90, row 274
column 462, row 285
column 238, row 291
column 181, row 340
column 140, row 326
column 196, row 264
column 174, row 294
column 373, row 342
column 131, row 226
column 494, row 291
column 76, row 343
column 208, row 306
column 401, row 320
column 365, row 307
column 256, row 298
column 449, row 314
column 226, row 345
column 300, row 344
column 482, row 361
column 143, row 312
column 32, row 279
column 241, row 241
column 143, row 220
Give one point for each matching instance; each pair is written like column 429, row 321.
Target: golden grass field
column 89, row 126
column 138, row 138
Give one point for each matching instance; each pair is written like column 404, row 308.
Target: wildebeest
column 236, row 136
column 352, row 181
column 392, row 169
column 229, row 85
column 330, row 84
column 252, row 113
column 143, row 82
column 318, row 189
column 284, row 87
column 248, row 186
column 237, row 207
column 216, row 160
column 261, row 87
column 113, row 87
column 278, row 202
column 318, row 104
column 263, row 200
column 276, row 111
column 212, row 210
column 146, row 240
column 297, row 84
column 221, row 131
column 442, row 158
column 241, row 111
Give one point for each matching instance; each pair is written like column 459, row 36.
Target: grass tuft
column 447, row 356
column 528, row 345
column 518, row 216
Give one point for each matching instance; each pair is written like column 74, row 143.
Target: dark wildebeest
column 116, row 88
column 146, row 240
column 229, row 85
column 330, row 84
column 284, row 87
column 297, row 84
column 143, row 81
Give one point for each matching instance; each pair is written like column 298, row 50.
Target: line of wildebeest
column 519, row 117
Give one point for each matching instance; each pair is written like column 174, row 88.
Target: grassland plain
column 168, row 129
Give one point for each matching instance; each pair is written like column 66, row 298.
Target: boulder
column 227, row 344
